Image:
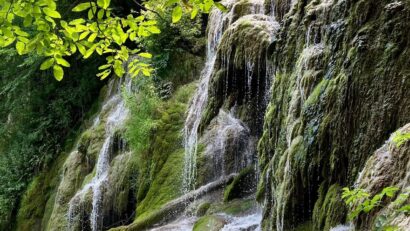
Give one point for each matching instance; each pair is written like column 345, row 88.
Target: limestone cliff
column 340, row 87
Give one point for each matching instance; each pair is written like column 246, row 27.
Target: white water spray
column 116, row 117
column 217, row 22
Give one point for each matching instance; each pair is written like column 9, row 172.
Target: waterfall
column 217, row 21
column 117, row 114
column 228, row 136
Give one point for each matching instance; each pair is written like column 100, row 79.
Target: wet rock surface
column 388, row 166
column 340, row 87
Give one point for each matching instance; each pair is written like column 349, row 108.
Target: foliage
column 37, row 116
column 142, row 105
column 399, row 138
column 177, row 50
column 38, row 27
column 361, row 201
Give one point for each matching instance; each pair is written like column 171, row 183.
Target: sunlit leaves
column 360, row 201
column 176, row 14
column 20, row 47
column 194, row 12
column 99, row 32
column 51, row 13
column 47, row 64
column 62, row 62
column 118, row 68
column 58, row 72
column 220, row 6
column 103, row 3
column 145, row 55
column 82, row 7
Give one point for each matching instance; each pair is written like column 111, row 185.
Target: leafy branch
column 44, row 32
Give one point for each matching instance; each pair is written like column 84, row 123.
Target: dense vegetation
column 38, row 115
column 290, row 103
column 38, row 27
column 41, row 117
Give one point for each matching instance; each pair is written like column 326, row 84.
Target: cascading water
column 227, row 129
column 217, row 21
column 249, row 222
column 116, row 118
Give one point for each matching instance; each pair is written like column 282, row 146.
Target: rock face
column 388, row 166
column 341, row 85
column 95, row 190
column 237, row 92
column 320, row 83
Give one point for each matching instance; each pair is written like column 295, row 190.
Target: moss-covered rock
column 329, row 209
column 38, row 200
column 240, row 73
column 163, row 161
column 74, row 171
column 235, row 207
column 388, row 166
column 225, row 148
column 202, row 209
column 340, row 87
column 209, row 223
column 243, row 185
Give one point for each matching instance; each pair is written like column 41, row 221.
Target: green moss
column 201, row 163
column 161, row 163
column 209, row 223
column 317, row 91
column 88, row 178
column 165, row 186
column 234, row 207
column 241, row 185
column 260, row 191
column 36, row 204
column 329, row 209
column 203, row 208
column 308, row 226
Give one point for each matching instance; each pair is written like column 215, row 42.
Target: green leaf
column 405, row 208
column 21, row 33
column 63, row 62
column 92, row 37
column 23, row 39
column 221, row 7
column 81, row 48
column 90, row 52
column 103, row 3
column 153, row 29
column 194, row 12
column 51, row 13
column 146, row 72
column 208, row 5
column 105, row 66
column 176, row 14
column 83, row 35
column 81, row 7
column 77, row 21
column 47, row 64
column 145, row 55
column 118, row 68
column 100, row 14
column 106, row 4
column 27, row 20
column 58, row 72
column 104, row 74
column 20, row 47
